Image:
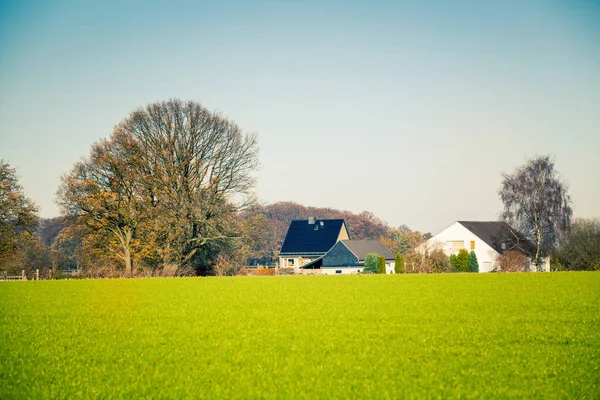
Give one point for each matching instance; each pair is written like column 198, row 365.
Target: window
column 290, row 262
column 472, row 245
column 338, row 271
column 456, row 245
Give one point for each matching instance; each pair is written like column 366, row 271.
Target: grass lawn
column 531, row 335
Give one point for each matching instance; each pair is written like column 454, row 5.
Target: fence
column 23, row 277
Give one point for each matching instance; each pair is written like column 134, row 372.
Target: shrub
column 60, row 275
column 286, row 271
column 427, row 261
column 462, row 261
column 371, row 263
column 453, row 262
column 265, row 271
column 473, row 263
column 381, row 265
column 399, row 266
column 186, row 270
column 225, row 266
column 513, row 261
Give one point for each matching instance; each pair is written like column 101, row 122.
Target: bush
column 513, row 261
column 185, row 271
column 265, row 271
column 473, row 263
column 381, row 265
column 371, row 263
column 453, row 262
column 60, row 275
column 427, row 261
column 286, row 271
column 462, row 261
column 399, row 267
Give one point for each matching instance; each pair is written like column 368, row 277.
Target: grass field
column 419, row 336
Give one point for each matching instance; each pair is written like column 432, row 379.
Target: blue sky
column 409, row 109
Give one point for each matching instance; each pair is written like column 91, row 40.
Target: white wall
column 486, row 255
column 345, row 270
column 389, row 267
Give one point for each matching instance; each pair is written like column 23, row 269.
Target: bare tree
column 198, row 170
column 170, row 179
column 536, row 204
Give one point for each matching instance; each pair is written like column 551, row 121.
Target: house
column 348, row 257
column 308, row 239
column 488, row 239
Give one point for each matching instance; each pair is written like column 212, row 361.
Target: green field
column 419, row 336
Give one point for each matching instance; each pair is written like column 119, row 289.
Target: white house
column 488, row 239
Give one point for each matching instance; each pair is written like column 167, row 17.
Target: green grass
column 415, row 336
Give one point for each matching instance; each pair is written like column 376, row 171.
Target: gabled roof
column 305, row 238
column 499, row 235
column 360, row 248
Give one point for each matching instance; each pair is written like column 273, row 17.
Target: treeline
column 59, row 244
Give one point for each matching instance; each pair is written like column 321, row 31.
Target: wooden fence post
column 37, row 274
column 23, row 275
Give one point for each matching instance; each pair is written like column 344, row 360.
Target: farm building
column 308, row 239
column 348, row 257
column 488, row 239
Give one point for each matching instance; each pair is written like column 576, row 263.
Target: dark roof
column 303, row 238
column 360, row 248
column 499, row 235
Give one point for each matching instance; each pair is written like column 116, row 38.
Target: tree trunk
column 125, row 234
column 538, row 248
column 128, row 266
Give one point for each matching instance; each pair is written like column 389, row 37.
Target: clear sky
column 409, row 109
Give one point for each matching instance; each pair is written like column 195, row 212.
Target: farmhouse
column 348, row 257
column 308, row 239
column 488, row 239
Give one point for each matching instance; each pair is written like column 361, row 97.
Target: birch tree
column 537, row 204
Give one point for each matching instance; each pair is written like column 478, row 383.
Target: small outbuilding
column 348, row 257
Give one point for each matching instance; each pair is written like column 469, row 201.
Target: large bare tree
column 184, row 175
column 537, row 204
